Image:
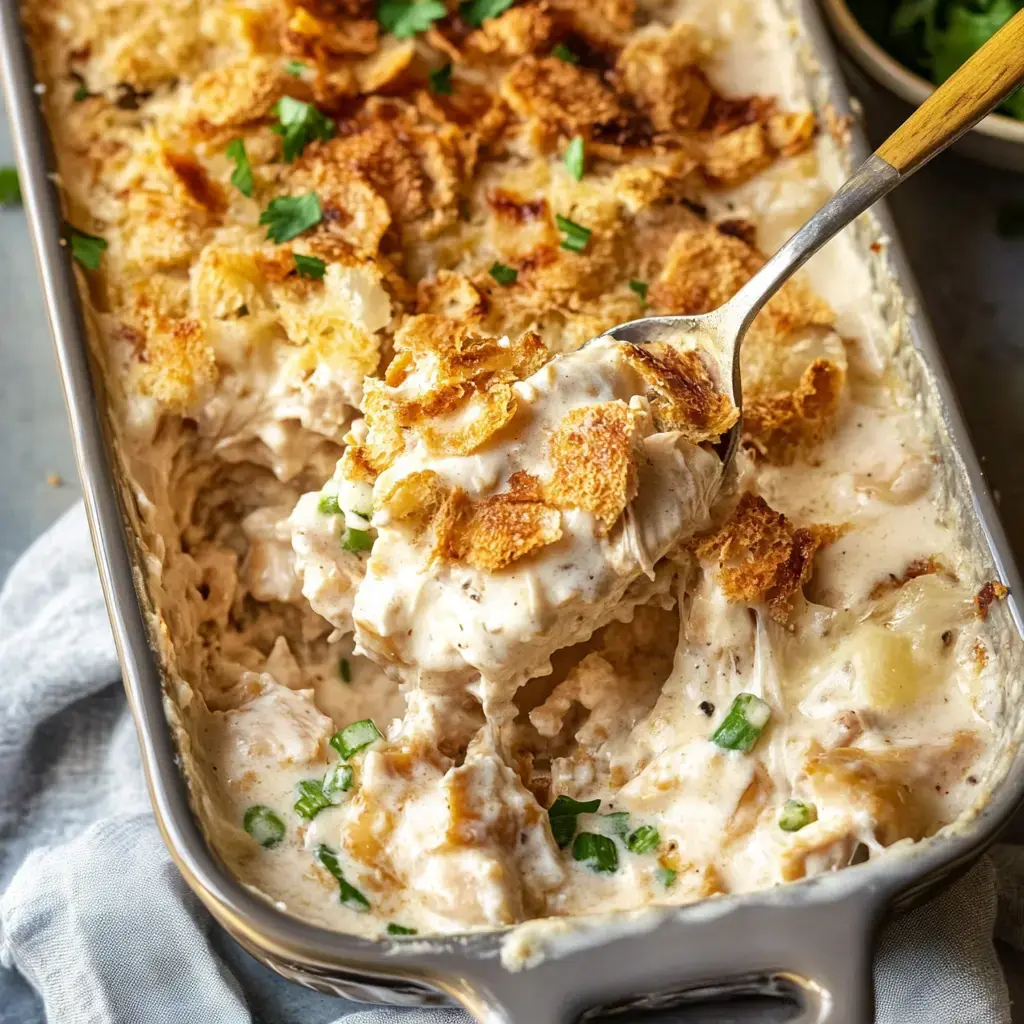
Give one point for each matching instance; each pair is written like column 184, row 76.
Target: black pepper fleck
column 707, row 707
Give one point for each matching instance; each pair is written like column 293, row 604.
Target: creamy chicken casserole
column 462, row 625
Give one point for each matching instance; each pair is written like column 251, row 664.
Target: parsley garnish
column 441, row 80
column 503, row 274
column 346, row 671
column 300, row 124
column 328, row 505
column 597, row 852
column 576, row 236
column 398, row 929
column 87, row 249
column 477, row 11
column 639, row 289
column 295, row 67
column 562, row 52
column 617, row 823
column 10, row 190
column 288, row 216
column 667, row 876
column 574, row 155
column 309, row 266
column 563, row 814
column 241, row 176
column 356, row 541
column 403, row 18
column 81, row 93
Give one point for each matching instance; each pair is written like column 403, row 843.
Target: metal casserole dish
column 811, row 940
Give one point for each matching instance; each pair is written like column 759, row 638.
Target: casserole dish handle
column 816, row 953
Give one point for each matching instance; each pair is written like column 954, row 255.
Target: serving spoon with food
column 973, row 91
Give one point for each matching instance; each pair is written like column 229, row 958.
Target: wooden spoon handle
column 961, row 101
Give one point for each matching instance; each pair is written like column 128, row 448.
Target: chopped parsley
column 639, row 289
column 80, row 94
column 644, row 840
column 346, row 671
column 796, row 815
column 576, row 236
column 309, row 266
column 562, row 52
column 295, row 67
column 312, row 801
column 356, row 542
column 667, row 876
column 477, row 11
column 617, row 823
column 743, row 723
column 404, row 19
column 10, row 189
column 286, row 217
column 350, row 896
column 398, row 929
column 355, row 737
column 241, row 176
column 87, row 249
column 299, row 124
column 441, row 80
column 337, row 781
column 263, row 825
column 596, row 852
column 503, row 274
column 563, row 814
column 328, row 505
column 574, row 159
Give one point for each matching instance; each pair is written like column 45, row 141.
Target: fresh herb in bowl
column 934, row 37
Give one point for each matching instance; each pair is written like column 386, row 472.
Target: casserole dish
column 570, row 966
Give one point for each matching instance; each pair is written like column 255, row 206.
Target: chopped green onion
column 597, row 852
column 309, row 266
column 263, row 825
column 574, row 158
column 338, row 780
column 312, row 801
column 399, row 929
column 286, row 217
column 10, row 188
column 617, row 823
column 562, row 52
column 350, row 896
column 576, row 236
column 796, row 814
column 643, row 840
column 295, row 67
column 87, row 249
column 355, row 737
column 441, row 80
column 503, row 274
column 356, row 541
column 328, row 505
column 639, row 289
column 404, row 19
column 346, row 671
column 478, row 11
column 81, row 93
column 743, row 724
column 298, row 125
column 241, row 176
column 563, row 813
column 667, row 876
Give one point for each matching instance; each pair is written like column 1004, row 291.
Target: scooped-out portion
column 462, row 621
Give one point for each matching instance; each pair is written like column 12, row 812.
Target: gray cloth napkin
column 97, row 926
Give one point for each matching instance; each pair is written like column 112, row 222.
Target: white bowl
column 997, row 140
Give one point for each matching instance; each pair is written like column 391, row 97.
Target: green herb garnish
column 597, row 852
column 503, row 274
column 574, row 159
column 617, row 823
column 81, row 93
column 309, row 266
column 263, row 825
column 295, row 67
column 241, row 176
column 404, row 19
column 286, row 217
column 298, row 125
column 10, row 188
column 477, row 11
column 328, row 505
column 563, row 814
column 355, row 737
column 643, row 840
column 350, row 896
column 356, row 541
column 346, row 671
column 338, row 780
column 562, row 52
column 743, row 724
column 312, row 801
column 667, row 876
column 87, row 249
column 399, row 929
column 441, row 80
column 576, row 236
column 796, row 814
column 639, row 289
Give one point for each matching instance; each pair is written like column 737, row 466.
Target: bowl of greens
column 910, row 46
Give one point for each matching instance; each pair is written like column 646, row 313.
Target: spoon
column 974, row 90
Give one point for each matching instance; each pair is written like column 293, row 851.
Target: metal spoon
column 974, row 90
